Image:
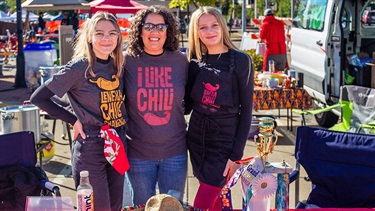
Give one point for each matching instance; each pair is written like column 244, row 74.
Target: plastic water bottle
column 271, row 66
column 85, row 193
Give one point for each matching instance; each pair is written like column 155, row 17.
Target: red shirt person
column 272, row 33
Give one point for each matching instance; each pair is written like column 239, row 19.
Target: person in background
column 65, row 20
column 41, row 23
column 272, row 33
column 74, row 21
column 155, row 78
column 219, row 92
column 94, row 84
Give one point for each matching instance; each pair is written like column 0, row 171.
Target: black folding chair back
column 341, row 166
column 19, row 177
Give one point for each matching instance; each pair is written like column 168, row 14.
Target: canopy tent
column 60, row 16
column 47, row 16
column 30, row 5
column 116, row 6
column 3, row 14
column 32, row 16
column 5, row 17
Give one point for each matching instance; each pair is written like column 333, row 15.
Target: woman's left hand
column 227, row 167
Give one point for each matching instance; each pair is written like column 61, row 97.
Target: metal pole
column 292, row 10
column 243, row 16
column 231, row 20
column 233, row 10
column 20, row 62
column 255, row 9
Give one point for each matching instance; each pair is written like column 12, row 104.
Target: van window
column 344, row 19
column 310, row 14
column 368, row 15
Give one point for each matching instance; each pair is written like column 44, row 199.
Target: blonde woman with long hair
column 219, row 91
column 94, row 84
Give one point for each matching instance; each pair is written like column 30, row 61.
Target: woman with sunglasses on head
column 220, row 87
column 155, row 78
column 94, row 84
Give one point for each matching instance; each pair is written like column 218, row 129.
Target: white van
column 325, row 34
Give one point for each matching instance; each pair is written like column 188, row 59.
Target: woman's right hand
column 78, row 130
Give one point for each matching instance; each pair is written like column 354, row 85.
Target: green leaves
column 256, row 59
column 184, row 3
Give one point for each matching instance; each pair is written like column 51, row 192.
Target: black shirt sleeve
column 42, row 97
column 245, row 77
column 193, row 68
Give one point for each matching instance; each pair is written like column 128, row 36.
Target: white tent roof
column 56, row 5
column 32, row 16
column 5, row 17
column 48, row 16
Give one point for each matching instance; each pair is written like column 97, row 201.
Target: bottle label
column 85, row 201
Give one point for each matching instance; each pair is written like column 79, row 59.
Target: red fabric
column 114, row 149
column 331, row 209
column 116, row 6
column 208, row 197
column 272, row 32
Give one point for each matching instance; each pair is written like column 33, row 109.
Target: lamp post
column 233, row 10
column 20, row 62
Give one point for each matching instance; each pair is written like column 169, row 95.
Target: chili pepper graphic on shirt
column 155, row 94
column 111, row 99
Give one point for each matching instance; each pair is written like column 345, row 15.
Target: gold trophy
column 266, row 140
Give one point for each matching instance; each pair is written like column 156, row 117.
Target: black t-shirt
column 41, row 23
column 65, row 22
column 74, row 22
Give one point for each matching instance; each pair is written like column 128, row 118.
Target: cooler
column 36, row 55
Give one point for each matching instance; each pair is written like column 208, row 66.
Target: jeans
column 127, row 195
column 170, row 175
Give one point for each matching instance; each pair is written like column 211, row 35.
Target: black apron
column 211, row 133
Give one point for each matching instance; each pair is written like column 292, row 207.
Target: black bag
column 16, row 183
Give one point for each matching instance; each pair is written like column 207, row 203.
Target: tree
column 184, row 3
column 12, row 4
column 225, row 7
column 282, row 7
column 3, row 5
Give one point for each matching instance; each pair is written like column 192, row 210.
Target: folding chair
column 357, row 110
column 19, row 177
column 341, row 166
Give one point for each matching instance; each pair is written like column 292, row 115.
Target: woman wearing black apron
column 219, row 91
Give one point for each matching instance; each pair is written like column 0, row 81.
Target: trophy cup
column 266, row 140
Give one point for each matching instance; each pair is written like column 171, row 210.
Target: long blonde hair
column 196, row 47
column 83, row 46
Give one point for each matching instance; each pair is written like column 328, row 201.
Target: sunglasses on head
column 161, row 27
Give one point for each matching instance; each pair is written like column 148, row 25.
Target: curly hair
column 135, row 43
